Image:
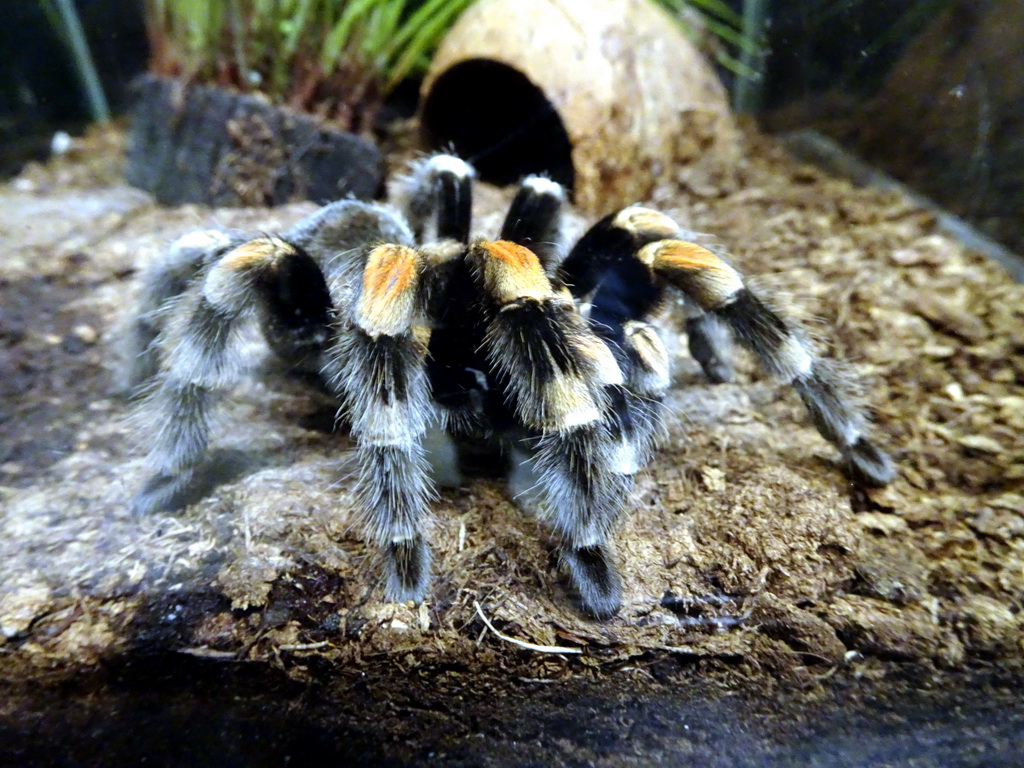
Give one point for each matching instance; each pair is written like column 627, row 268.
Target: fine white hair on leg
column 163, row 282
column 524, row 481
column 199, row 369
column 646, row 368
column 582, row 495
column 833, row 396
column 834, row 399
column 203, row 359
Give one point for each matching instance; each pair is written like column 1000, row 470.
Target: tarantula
column 416, row 329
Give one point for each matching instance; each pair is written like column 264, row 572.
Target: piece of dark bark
column 200, row 144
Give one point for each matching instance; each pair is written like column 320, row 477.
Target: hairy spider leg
column 602, row 267
column 436, row 197
column 166, row 280
column 555, row 375
column 376, row 366
column 442, row 186
column 622, row 295
column 268, row 276
column 534, row 220
column 831, row 395
column 618, row 294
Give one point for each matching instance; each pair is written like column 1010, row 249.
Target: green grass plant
column 341, row 58
column 336, row 58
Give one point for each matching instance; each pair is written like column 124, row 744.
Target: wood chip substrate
column 746, row 541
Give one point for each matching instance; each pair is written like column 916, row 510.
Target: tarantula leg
column 164, row 281
column 295, row 311
column 552, row 366
column 534, row 219
column 377, row 368
column 603, row 268
column 594, row 580
column 709, row 342
column 612, row 453
column 341, row 231
column 831, row 396
column 205, row 362
column 646, row 373
column 556, row 376
column 581, row 493
column 570, row 480
column 604, row 259
column 437, row 191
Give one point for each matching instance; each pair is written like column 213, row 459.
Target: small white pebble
column 86, row 334
column 712, row 478
column 61, row 143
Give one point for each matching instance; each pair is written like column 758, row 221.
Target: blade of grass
column 63, row 17
column 746, row 97
column 707, row 8
column 424, row 38
column 340, row 33
column 732, row 36
column 428, row 15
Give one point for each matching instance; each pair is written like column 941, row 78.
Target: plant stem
column 83, row 61
column 747, row 95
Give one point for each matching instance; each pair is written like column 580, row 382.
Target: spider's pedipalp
column 436, row 197
column 647, row 371
column 534, row 220
column 645, row 368
column 831, row 395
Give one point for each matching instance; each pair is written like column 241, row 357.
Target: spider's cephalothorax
column 423, row 336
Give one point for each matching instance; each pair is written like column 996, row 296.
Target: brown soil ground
column 748, row 557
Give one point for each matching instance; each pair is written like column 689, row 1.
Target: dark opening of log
column 495, row 118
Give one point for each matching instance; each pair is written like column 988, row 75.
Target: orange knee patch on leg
column 256, row 253
column 390, row 281
column 511, row 271
column 694, row 269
